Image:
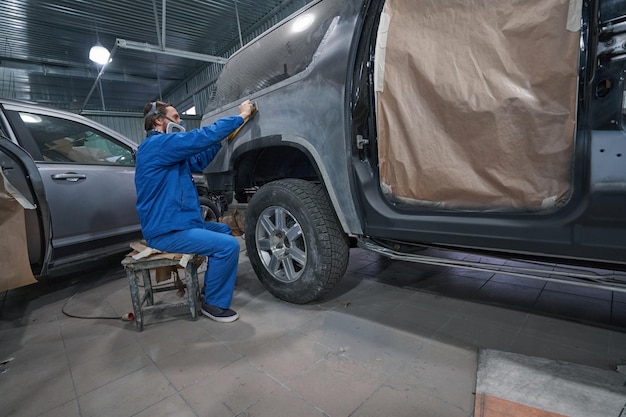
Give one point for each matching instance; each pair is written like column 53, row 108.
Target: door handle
column 69, row 176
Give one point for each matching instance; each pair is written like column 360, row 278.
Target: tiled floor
column 393, row 339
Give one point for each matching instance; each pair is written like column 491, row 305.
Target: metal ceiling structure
column 158, row 48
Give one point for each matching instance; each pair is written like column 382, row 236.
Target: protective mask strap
column 152, row 111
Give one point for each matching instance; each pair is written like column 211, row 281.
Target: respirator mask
column 173, row 127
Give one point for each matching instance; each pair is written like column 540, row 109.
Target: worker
column 167, row 199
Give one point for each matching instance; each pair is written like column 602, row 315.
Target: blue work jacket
column 167, row 199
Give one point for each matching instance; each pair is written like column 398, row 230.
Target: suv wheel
column 210, row 211
column 294, row 240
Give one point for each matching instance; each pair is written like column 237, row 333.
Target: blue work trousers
column 221, row 249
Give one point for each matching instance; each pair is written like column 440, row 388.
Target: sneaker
column 219, row 314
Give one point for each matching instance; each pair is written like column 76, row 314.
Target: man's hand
column 246, row 109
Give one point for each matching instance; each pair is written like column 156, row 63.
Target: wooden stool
column 145, row 302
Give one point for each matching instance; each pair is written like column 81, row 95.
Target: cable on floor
column 125, row 317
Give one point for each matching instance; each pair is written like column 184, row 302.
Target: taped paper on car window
column 574, row 15
column 14, row 256
column 16, row 194
column 381, row 47
column 477, row 112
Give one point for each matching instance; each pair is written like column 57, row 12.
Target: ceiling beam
column 146, row 47
column 48, row 68
column 163, row 11
column 93, row 87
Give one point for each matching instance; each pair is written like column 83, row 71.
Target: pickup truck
column 487, row 127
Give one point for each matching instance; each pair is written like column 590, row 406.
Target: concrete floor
column 393, row 339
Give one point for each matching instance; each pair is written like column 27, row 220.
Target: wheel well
column 260, row 166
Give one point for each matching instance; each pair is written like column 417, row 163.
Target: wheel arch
column 275, row 160
column 305, row 162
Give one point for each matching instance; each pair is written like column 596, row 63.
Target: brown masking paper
column 15, row 271
column 476, row 103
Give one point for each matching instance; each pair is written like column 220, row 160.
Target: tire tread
column 333, row 243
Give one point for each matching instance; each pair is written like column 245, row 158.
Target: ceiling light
column 99, row 54
column 303, row 22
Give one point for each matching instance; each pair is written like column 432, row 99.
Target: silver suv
column 69, row 183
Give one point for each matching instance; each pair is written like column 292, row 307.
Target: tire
column 210, row 211
column 303, row 255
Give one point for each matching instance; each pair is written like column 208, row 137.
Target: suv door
column 584, row 222
column 88, row 176
column 25, row 218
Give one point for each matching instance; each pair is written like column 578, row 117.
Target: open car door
column 24, row 219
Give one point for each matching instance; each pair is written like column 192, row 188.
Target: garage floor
column 393, row 339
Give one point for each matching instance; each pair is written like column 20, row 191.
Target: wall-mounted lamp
column 99, row 54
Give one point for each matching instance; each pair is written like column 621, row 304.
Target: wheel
column 294, row 240
column 210, row 211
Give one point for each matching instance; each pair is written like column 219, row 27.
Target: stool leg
column 191, row 279
column 134, row 296
column 147, row 287
column 201, row 285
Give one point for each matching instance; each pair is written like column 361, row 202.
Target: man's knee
column 224, row 228
column 228, row 246
column 232, row 245
column 218, row 227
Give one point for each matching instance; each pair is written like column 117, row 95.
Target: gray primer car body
column 317, row 124
column 309, row 112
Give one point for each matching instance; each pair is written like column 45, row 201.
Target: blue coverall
column 169, row 209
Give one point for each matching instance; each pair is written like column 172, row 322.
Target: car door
column 24, row 219
column 88, row 175
column 565, row 199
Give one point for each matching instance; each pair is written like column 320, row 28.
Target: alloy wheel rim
column 281, row 244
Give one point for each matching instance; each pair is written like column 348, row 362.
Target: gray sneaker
column 219, row 314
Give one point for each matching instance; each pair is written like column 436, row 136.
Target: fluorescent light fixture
column 99, row 54
column 303, row 22
column 30, row 118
